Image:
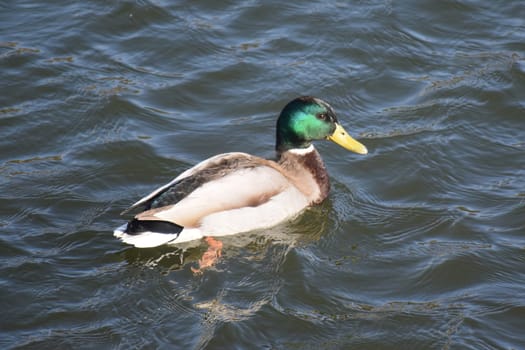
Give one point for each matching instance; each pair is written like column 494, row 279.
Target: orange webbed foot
column 211, row 256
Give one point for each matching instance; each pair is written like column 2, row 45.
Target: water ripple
column 419, row 244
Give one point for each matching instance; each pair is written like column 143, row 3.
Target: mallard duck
column 238, row 192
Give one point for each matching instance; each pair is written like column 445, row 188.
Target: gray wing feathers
column 191, row 179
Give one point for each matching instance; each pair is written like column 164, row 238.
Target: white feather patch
column 302, row 151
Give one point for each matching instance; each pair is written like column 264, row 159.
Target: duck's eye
column 322, row 116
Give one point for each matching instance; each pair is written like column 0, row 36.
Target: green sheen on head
column 303, row 120
column 306, row 119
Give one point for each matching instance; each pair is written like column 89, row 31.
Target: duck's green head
column 306, row 119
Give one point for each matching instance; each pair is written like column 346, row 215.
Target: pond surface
column 420, row 245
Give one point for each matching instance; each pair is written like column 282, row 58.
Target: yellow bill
column 341, row 137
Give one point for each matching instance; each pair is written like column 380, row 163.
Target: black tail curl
column 136, row 227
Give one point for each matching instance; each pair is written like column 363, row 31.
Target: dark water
column 421, row 244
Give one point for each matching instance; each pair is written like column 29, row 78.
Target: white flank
column 240, row 189
column 279, row 208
